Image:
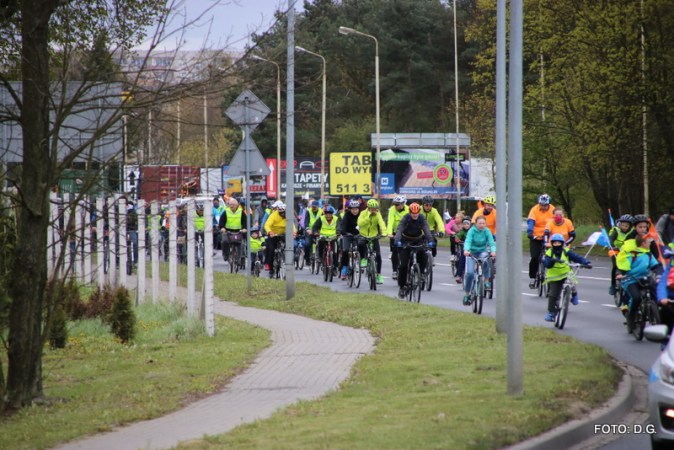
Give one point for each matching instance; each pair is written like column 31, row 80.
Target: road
column 595, row 320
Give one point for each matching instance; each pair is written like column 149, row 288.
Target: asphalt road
column 595, row 319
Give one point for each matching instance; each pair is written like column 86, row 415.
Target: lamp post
column 345, row 30
column 457, row 175
column 278, row 124
column 322, row 123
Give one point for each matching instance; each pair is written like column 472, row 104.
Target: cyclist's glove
column 530, row 235
column 399, row 244
column 431, row 244
column 441, row 235
column 587, row 266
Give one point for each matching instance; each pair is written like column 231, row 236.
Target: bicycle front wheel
column 563, row 308
column 355, row 266
column 653, row 313
column 416, row 284
column 479, row 295
column 639, row 323
column 429, row 274
column 455, row 265
column 372, row 273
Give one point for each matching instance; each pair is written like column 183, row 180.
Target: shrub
column 69, row 296
column 100, row 304
column 123, row 318
column 58, row 333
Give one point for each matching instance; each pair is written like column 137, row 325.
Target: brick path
column 307, row 359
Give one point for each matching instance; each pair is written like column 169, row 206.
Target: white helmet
column 281, row 207
column 400, row 199
column 276, row 204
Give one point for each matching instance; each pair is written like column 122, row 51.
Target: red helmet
column 415, row 208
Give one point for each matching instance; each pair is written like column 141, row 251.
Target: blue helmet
column 254, row 229
column 328, row 210
column 557, row 237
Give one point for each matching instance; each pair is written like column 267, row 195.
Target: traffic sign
column 258, row 165
column 257, row 111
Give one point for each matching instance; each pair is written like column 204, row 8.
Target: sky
column 223, row 23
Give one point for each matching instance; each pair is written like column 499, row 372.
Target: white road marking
column 448, row 284
column 610, row 305
column 593, row 278
column 529, row 295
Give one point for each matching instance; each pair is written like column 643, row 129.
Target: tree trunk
column 29, row 274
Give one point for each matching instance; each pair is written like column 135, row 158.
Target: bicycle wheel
column 416, row 284
column 617, row 297
column 372, row 272
column 329, row 265
column 299, row 258
column 653, row 316
column 316, row 262
column 564, row 308
column 540, row 278
column 428, row 282
column 455, row 265
column 234, row 260
column 479, row 295
column 639, row 323
column 281, row 268
column 492, row 278
column 256, row 269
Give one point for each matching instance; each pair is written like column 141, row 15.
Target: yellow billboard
column 351, row 173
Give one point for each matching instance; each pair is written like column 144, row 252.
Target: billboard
column 307, row 177
column 351, row 173
column 420, row 172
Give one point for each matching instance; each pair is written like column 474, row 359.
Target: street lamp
column 345, row 30
column 278, row 124
column 322, row 123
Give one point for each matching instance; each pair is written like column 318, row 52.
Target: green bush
column 122, row 317
column 58, row 333
column 100, row 304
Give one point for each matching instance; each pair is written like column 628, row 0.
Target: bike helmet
column 427, row 200
column 200, row 206
column 354, row 204
column 639, row 218
column 328, row 210
column 254, row 229
column 276, row 204
column 314, row 203
column 557, row 237
column 242, row 200
column 372, row 203
column 489, row 199
column 281, row 208
column 544, row 199
column 400, row 199
column 626, row 218
column 415, row 208
column 467, row 220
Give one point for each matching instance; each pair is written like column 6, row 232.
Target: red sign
column 258, row 188
column 421, row 175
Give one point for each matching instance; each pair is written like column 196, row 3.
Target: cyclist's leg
column 308, row 241
column 553, row 295
column 320, row 249
column 635, row 300
column 362, row 248
column 469, row 276
column 460, row 265
column 346, row 244
column 535, row 247
column 271, row 248
column 377, row 250
column 404, row 255
column 486, row 269
column 422, row 259
column 224, row 243
column 613, row 273
column 452, row 245
column 394, row 256
column 434, row 250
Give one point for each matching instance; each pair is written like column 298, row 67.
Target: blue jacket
column 477, row 241
column 662, row 290
column 637, row 263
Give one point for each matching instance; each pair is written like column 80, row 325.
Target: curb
column 576, row 431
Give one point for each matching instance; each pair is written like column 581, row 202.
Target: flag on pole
column 610, row 219
column 592, row 239
column 604, row 239
column 599, row 238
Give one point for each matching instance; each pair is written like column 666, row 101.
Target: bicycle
column 427, row 274
column 477, row 289
column 277, row 268
column 413, row 285
column 541, row 286
column 235, row 247
column 371, row 258
column 562, row 305
column 648, row 309
column 353, row 269
column 315, row 262
column 492, row 276
column 327, row 262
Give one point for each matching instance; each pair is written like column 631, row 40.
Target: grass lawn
column 96, row 382
column 436, row 380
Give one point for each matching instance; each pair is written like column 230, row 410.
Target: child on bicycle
column 556, row 260
column 616, row 238
column 258, row 246
column 478, row 240
column 460, row 239
column 325, row 225
column 634, row 263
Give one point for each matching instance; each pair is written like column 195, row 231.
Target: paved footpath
column 308, row 358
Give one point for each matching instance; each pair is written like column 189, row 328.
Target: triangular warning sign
column 258, row 165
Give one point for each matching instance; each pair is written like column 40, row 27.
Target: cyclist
column 637, row 261
column 410, row 230
column 452, row 227
column 478, row 241
column 559, row 225
column 434, row 220
column 275, row 226
column 260, row 211
column 557, row 272
column 665, row 227
column 311, row 215
column 326, row 225
column 461, row 238
column 489, row 213
column 233, row 219
column 218, row 209
column 371, row 224
column 395, row 214
column 536, row 221
column 641, row 227
column 617, row 238
column 258, row 246
column 349, row 226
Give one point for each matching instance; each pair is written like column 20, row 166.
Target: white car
column 661, row 390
